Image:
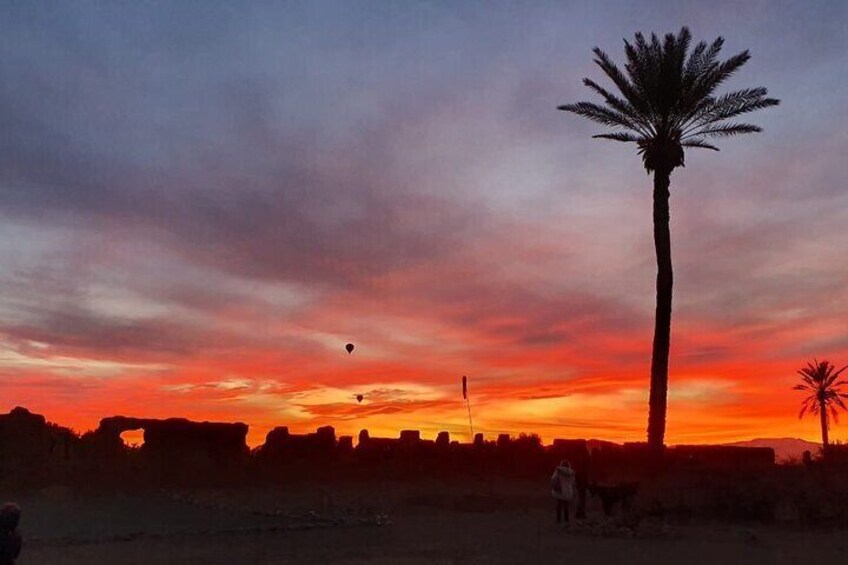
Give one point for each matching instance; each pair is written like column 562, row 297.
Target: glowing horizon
column 201, row 207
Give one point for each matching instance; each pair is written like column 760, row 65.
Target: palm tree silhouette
column 668, row 103
column 820, row 380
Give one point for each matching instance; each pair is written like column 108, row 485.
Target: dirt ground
column 381, row 523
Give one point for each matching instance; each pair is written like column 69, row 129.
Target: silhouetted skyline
column 202, row 205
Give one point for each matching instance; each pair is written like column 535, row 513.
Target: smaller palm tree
column 819, row 379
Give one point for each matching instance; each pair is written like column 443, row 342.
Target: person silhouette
column 10, row 538
column 562, row 489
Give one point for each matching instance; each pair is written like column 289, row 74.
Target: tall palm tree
column 819, row 379
column 668, row 103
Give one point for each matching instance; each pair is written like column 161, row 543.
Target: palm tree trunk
column 662, row 326
column 823, row 415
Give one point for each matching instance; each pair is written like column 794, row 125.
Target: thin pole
column 467, row 404
column 470, row 423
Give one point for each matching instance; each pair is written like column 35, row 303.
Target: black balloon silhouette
column 359, row 397
column 349, row 348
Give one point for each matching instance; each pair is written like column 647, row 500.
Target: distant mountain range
column 784, row 447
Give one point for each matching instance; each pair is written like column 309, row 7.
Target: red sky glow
column 201, row 207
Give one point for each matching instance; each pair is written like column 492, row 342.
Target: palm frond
column 730, row 105
column 599, row 114
column 681, row 45
column 642, row 67
column 618, row 136
column 724, row 130
column 700, row 143
column 698, row 60
column 717, row 73
column 621, row 106
column 808, row 405
column 829, row 382
column 620, row 80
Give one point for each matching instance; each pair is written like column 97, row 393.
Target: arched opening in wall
column 133, row 439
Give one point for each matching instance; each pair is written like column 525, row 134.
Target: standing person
column 10, row 539
column 562, row 489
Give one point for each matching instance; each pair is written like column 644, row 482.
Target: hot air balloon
column 359, row 397
column 349, row 348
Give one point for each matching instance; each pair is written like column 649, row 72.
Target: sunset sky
column 202, row 203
